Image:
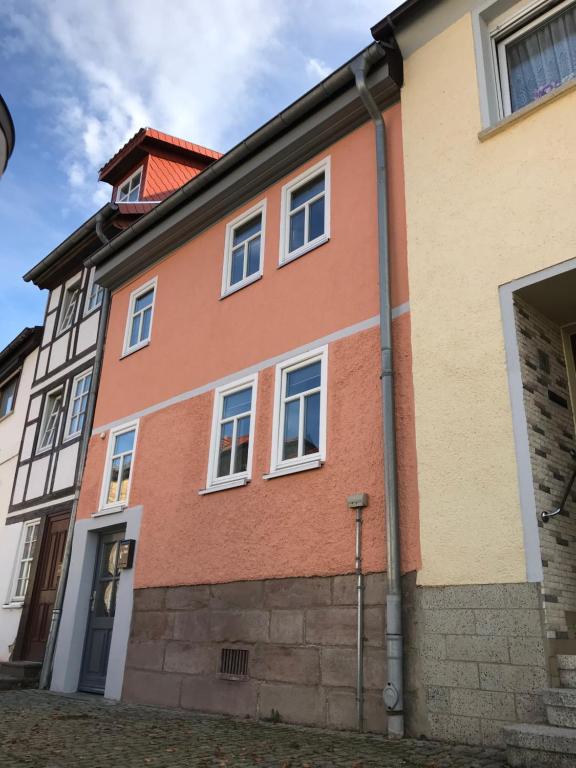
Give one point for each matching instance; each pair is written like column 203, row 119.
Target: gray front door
column 101, row 616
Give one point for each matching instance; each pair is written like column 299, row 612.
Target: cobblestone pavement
column 42, row 730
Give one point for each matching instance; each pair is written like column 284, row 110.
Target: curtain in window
column 543, row 59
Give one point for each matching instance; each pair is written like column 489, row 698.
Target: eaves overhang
column 7, row 135
column 71, row 252
column 14, row 353
column 314, row 122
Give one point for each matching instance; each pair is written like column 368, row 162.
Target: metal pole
column 360, row 624
column 357, row 502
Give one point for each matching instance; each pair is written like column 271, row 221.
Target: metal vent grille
column 234, row 662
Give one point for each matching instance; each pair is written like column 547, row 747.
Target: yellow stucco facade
column 479, row 214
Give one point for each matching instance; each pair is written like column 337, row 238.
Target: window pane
column 297, row 230
column 27, row 547
column 238, row 402
column 146, row 320
column 7, row 397
column 237, row 269
column 124, row 442
column 125, row 476
column 225, row 449
column 307, row 191
column 145, row 300
column 251, row 227
column 303, row 379
column 291, row 422
column 312, row 423
column 21, row 587
column 316, row 220
column 242, row 439
column 113, row 486
column 96, row 296
column 542, row 59
column 253, row 256
column 135, row 333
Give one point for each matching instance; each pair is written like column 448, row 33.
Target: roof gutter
column 339, row 79
column 393, row 692
column 386, row 28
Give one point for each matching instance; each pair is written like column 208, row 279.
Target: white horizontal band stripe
column 364, row 325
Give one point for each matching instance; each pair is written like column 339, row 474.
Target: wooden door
column 44, row 588
column 101, row 616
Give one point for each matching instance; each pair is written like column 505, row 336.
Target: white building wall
column 11, row 429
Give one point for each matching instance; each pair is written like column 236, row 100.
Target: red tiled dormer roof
column 149, row 141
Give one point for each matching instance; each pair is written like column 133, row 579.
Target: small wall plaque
column 126, row 553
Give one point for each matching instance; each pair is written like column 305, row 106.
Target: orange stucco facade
column 297, row 525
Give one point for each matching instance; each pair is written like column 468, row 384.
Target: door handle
column 92, row 601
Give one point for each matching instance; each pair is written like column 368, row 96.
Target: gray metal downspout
column 393, row 692
column 46, row 673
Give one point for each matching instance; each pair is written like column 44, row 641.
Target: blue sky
column 80, row 78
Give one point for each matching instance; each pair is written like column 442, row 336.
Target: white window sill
column 131, row 351
column 526, row 111
column 238, row 286
column 110, row 510
column 224, row 486
column 293, row 469
column 13, row 605
column 290, row 257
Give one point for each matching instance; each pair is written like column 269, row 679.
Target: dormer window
column 129, row 191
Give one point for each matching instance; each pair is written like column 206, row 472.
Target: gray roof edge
column 48, row 261
column 297, row 111
column 29, row 338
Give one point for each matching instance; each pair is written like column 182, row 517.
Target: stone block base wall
column 476, row 660
column 301, row 638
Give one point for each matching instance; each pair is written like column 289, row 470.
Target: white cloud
column 207, row 71
column 317, row 69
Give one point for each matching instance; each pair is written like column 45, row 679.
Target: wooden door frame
column 32, row 591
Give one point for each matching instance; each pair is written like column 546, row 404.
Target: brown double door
column 47, row 573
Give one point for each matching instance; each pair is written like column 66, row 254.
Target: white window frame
column 287, row 190
column 151, row 284
column 517, row 25
column 3, row 384
column 112, row 435
column 89, row 308
column 62, row 327
column 46, row 416
column 309, row 461
column 231, row 227
column 81, row 376
column 237, row 478
column 129, row 181
column 12, row 598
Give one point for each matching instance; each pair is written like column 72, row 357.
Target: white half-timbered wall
column 46, row 478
